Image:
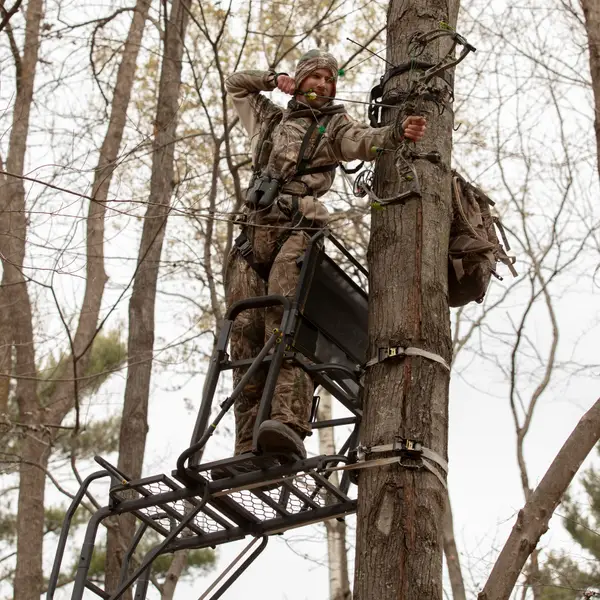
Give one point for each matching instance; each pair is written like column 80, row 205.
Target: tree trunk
column 591, row 10
column 13, row 231
column 67, row 393
column 36, row 445
column 401, row 511
column 178, row 565
column 451, row 552
column 134, row 423
column 337, row 553
column 5, row 348
column 532, row 520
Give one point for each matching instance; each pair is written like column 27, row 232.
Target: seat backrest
column 332, row 326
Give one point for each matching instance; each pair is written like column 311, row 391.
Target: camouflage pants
column 292, row 398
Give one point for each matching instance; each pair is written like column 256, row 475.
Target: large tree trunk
column 13, row 232
column 591, row 10
column 532, row 520
column 134, row 423
column 337, row 553
column 401, row 511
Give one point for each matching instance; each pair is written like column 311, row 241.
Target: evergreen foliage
column 566, row 576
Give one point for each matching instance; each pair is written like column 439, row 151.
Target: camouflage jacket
column 344, row 139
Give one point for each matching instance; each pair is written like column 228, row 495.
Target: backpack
column 474, row 247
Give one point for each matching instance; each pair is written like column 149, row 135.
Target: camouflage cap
column 313, row 60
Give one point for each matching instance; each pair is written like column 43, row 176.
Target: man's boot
column 276, row 437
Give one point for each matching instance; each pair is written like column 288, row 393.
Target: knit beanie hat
column 313, row 60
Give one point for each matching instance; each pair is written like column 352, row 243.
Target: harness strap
column 321, row 169
column 242, row 243
column 395, row 351
column 309, row 137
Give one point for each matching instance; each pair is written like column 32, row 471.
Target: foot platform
column 324, row 332
column 191, row 511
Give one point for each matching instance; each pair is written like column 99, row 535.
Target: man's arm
column 244, row 87
column 356, row 141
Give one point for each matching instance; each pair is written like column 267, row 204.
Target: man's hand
column 286, row 84
column 414, row 128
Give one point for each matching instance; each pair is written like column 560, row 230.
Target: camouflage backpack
column 474, row 247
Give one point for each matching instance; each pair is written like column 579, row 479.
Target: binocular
column 262, row 192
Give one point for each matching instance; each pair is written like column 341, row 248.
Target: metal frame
column 191, row 511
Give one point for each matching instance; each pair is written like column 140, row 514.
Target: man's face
column 321, row 82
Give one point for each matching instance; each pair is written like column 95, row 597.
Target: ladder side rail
column 139, row 534
column 235, row 575
column 66, row 526
column 210, row 386
column 87, row 550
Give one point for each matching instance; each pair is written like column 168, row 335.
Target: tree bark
column 532, row 520
column 451, row 552
column 13, row 231
column 591, row 10
column 337, row 553
column 178, row 565
column 5, row 349
column 134, row 423
column 401, row 511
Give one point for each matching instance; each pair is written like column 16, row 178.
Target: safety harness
column 264, row 190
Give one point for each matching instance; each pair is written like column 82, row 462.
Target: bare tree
column 591, row 10
column 33, row 410
column 28, row 576
column 337, row 552
column 532, row 520
column 457, row 583
column 140, row 347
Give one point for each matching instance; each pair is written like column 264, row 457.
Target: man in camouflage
column 279, row 232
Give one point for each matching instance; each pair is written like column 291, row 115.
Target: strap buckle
column 242, row 243
column 394, row 351
column 404, row 447
column 407, row 446
column 383, row 353
column 411, row 450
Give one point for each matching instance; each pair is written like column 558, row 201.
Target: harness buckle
column 242, row 243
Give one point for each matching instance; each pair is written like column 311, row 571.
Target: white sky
column 483, row 480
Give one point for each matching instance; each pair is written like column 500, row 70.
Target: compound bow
column 409, row 103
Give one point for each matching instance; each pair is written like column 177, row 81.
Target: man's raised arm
column 244, row 87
